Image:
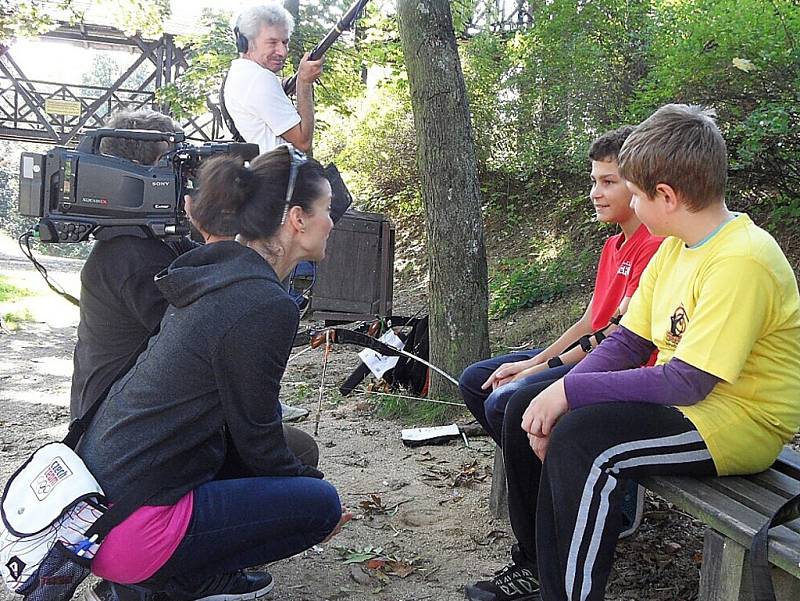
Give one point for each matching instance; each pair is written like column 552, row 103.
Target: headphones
column 241, row 40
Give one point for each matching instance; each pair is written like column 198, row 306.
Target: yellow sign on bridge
column 71, row 108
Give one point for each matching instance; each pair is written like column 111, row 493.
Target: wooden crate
column 355, row 280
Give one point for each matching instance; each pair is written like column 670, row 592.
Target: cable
column 54, row 286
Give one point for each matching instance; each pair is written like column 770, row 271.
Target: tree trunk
column 458, row 295
column 293, row 6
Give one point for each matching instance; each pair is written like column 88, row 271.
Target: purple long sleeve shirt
column 612, row 373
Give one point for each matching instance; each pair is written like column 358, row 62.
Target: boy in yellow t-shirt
column 720, row 303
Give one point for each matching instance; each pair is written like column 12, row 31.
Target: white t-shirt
column 258, row 105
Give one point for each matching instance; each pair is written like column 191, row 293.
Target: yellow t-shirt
column 729, row 307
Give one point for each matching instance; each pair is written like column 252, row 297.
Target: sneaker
column 632, row 507
column 292, row 414
column 518, row 581
column 101, row 591
column 109, row 591
column 234, row 586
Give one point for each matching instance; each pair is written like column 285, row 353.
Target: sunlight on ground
column 59, row 397
column 38, row 321
column 53, row 366
column 43, row 305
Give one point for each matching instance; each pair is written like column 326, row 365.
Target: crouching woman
column 208, row 380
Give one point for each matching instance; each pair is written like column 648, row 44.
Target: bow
column 345, row 336
column 344, row 24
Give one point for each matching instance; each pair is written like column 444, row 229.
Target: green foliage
column 376, row 148
column 742, row 58
column 26, row 18
column 11, row 292
column 132, row 16
column 23, row 19
column 520, row 282
column 209, row 56
column 417, row 412
column 13, row 319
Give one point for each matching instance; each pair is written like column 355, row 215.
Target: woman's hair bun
column 244, row 178
column 241, row 184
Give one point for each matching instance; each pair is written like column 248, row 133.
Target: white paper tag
column 380, row 364
column 415, row 434
column 27, row 167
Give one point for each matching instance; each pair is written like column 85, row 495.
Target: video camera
column 79, row 193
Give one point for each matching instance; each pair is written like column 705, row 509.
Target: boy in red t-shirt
column 488, row 385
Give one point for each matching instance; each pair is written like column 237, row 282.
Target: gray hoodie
column 216, row 363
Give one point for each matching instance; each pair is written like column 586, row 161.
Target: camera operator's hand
column 309, row 71
column 346, row 517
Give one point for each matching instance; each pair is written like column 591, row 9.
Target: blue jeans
column 248, row 522
column 489, row 406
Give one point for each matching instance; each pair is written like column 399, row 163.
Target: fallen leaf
column 400, row 568
column 744, row 64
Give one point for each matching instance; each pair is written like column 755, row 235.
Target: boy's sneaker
column 632, row 507
column 518, row 581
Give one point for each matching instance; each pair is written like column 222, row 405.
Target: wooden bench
column 733, row 508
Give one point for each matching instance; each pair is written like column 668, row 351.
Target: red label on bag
column 49, row 477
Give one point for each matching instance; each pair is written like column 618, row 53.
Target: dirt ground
column 422, row 514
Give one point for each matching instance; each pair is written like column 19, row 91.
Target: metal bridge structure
column 58, row 113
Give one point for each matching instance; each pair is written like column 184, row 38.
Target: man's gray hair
column 140, row 151
column 252, row 19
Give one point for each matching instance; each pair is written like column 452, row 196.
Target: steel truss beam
column 58, row 113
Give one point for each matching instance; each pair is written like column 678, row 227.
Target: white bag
column 47, row 507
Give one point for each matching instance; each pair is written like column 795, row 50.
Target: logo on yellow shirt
column 677, row 326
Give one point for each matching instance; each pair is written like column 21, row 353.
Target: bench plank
column 777, row 482
column 754, row 496
column 728, row 517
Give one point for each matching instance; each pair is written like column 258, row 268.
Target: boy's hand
column 528, row 372
column 504, row 374
column 543, row 412
column 539, row 445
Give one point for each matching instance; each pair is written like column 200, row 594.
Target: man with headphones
column 253, row 94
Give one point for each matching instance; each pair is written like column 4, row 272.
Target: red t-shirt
column 621, row 265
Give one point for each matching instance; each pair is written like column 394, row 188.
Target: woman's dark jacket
column 217, row 360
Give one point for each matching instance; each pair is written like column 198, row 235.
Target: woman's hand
column 504, row 373
column 346, row 517
column 544, row 410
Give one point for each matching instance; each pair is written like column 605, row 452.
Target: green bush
column 10, row 292
column 376, row 150
column 741, row 57
column 518, row 282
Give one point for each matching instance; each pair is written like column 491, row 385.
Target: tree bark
column 293, row 6
column 458, row 289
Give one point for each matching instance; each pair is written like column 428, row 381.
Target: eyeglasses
column 297, row 158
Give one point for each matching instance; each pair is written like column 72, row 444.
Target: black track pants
column 566, row 513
